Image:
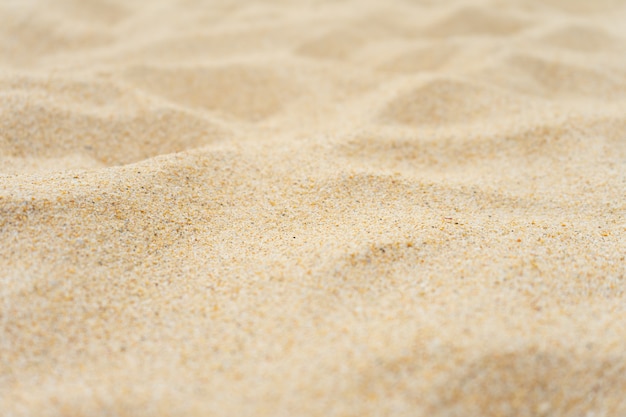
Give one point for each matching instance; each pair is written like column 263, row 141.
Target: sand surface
column 312, row 208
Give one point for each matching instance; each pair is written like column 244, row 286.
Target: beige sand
column 321, row 208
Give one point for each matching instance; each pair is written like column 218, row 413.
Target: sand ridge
column 312, row 208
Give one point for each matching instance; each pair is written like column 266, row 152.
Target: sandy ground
column 322, row 208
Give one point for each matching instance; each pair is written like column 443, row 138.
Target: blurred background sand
column 320, row 208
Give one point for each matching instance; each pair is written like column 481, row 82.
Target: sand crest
column 356, row 208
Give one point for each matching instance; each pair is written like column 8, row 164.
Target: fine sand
column 312, row 208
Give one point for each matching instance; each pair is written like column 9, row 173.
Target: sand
column 313, row 208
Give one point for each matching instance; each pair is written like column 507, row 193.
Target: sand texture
column 312, row 208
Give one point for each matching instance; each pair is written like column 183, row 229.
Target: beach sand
column 313, row 208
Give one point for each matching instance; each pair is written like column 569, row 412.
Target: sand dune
column 312, row 208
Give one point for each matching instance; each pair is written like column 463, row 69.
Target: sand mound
column 476, row 21
column 446, row 101
column 94, row 121
column 582, row 39
column 245, row 91
column 569, row 80
column 426, row 58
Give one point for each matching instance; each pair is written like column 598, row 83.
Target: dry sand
column 322, row 208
